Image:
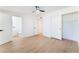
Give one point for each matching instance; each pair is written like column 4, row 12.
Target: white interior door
column 35, row 26
column 6, row 26
column 17, row 25
column 40, row 26
column 71, row 26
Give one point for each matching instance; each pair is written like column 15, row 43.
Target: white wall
column 53, row 22
column 6, row 26
column 27, row 25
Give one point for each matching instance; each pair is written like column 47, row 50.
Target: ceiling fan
column 38, row 9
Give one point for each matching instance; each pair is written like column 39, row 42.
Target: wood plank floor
column 39, row 44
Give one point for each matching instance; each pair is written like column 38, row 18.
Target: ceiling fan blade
column 42, row 10
column 38, row 9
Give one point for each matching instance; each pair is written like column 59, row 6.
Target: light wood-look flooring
column 39, row 44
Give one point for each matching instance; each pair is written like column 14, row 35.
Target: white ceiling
column 29, row 9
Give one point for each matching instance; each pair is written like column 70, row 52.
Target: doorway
column 16, row 25
column 38, row 26
column 70, row 26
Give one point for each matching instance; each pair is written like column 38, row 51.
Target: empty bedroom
column 39, row 29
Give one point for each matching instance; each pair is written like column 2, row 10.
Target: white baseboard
column 5, row 42
column 26, row 35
